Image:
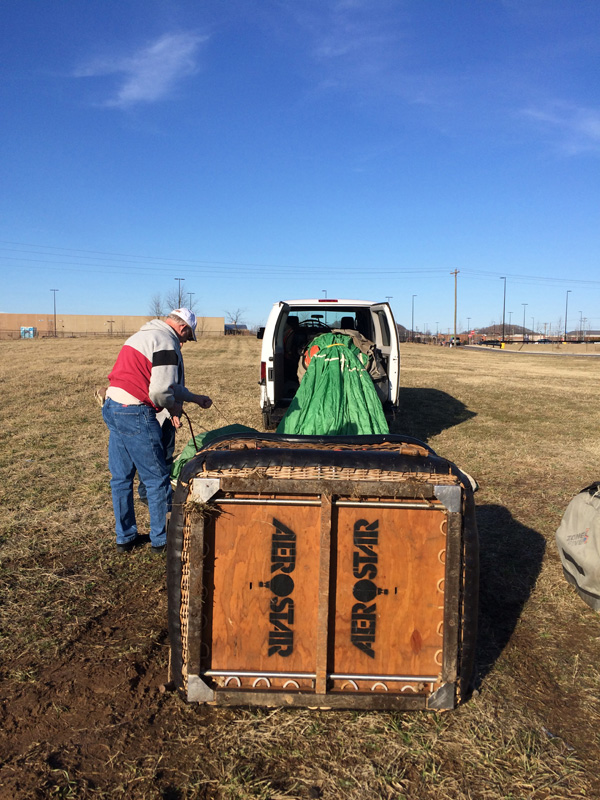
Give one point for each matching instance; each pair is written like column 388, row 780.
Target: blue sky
column 271, row 149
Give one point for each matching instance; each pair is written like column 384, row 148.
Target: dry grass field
column 83, row 629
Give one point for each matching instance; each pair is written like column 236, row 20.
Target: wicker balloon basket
column 337, row 572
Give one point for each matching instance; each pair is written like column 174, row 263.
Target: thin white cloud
column 350, row 31
column 151, row 73
column 364, row 47
column 577, row 127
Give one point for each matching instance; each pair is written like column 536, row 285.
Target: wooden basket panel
column 389, row 598
column 264, row 600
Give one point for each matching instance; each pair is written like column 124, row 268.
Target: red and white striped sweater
column 150, row 367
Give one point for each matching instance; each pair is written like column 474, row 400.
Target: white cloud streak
column 151, row 73
column 365, row 47
column 348, row 31
column 578, row 127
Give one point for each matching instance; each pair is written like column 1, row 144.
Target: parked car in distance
column 544, row 341
column 491, row 342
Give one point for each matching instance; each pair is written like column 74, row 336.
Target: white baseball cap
column 188, row 317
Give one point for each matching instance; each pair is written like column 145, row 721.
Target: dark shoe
column 159, row 550
column 129, row 546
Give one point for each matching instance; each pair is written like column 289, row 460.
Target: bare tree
column 188, row 302
column 161, row 305
column 235, row 318
column 172, row 299
column 157, row 308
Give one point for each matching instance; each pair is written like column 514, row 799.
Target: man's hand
column 176, row 411
column 203, row 401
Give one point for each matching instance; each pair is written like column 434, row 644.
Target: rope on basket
column 189, row 421
column 220, row 413
column 184, row 414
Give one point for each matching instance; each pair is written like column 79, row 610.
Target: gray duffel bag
column 578, row 542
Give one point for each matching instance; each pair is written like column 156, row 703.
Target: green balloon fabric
column 190, row 450
column 336, row 395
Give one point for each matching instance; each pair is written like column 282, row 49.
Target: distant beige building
column 70, row 325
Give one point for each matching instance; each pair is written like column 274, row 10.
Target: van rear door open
column 271, row 364
column 387, row 341
column 278, row 383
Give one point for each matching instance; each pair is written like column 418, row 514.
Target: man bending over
column 147, row 378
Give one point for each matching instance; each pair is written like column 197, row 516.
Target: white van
column 292, row 324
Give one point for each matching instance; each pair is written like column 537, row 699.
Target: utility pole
column 190, row 295
column 412, row 323
column 510, row 313
column 179, row 293
column 455, row 273
column 55, row 291
column 503, row 307
column 566, row 312
column 110, row 322
column 524, row 307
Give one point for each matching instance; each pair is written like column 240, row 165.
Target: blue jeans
column 167, row 432
column 135, row 443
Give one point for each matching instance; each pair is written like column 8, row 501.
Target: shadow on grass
column 509, row 563
column 426, row 412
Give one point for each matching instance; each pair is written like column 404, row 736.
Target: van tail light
column 263, row 372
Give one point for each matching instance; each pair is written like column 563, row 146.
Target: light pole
column 580, row 323
column 524, row 307
column 190, row 295
column 412, row 322
column 533, row 325
column 55, row 291
column 388, row 297
column 179, row 292
column 455, row 273
column 324, row 292
column 510, row 313
column 566, row 312
column 503, row 307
